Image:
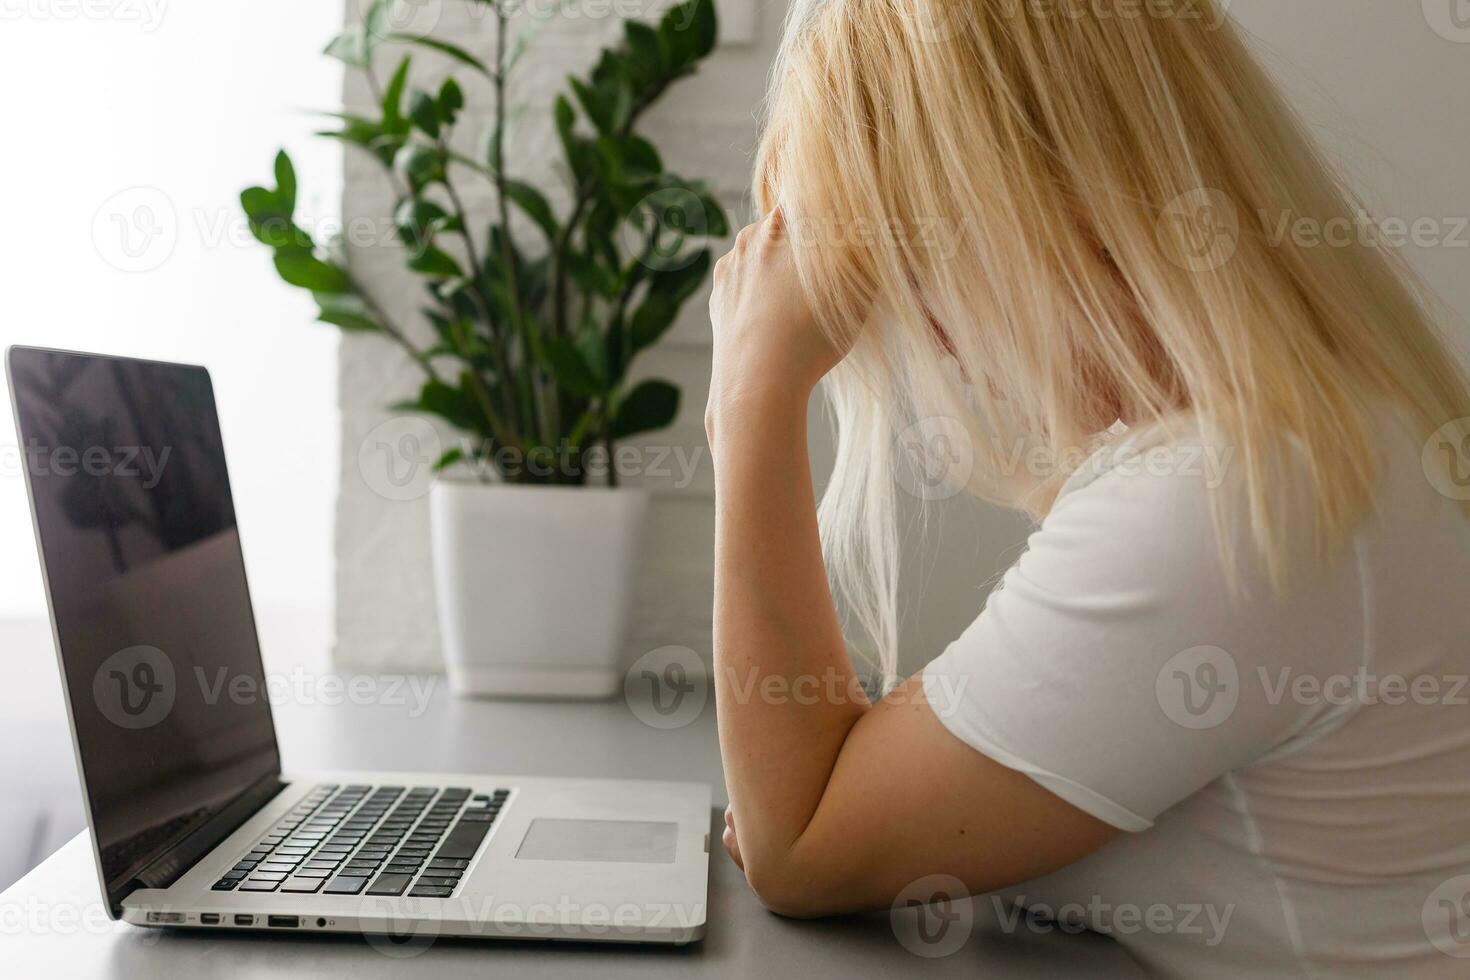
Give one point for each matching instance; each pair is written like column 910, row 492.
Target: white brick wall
column 705, row 128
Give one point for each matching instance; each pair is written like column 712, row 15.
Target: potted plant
column 535, row 321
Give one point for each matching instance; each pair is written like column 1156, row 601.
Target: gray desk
column 52, row 923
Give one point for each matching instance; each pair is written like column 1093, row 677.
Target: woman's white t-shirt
column 1294, row 773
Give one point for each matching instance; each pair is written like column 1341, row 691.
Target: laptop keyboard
column 373, row 840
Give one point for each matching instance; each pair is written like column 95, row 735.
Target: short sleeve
column 1121, row 667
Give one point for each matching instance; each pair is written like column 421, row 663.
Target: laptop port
column 283, row 921
column 209, row 918
column 244, row 920
column 165, row 918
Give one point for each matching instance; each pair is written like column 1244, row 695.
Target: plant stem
column 584, row 197
column 477, row 292
column 536, row 397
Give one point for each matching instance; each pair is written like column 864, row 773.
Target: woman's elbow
column 789, row 889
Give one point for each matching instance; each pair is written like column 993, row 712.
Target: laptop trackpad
column 638, row 841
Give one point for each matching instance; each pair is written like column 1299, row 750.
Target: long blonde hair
column 1028, row 216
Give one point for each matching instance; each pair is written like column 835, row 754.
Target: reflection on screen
column 142, row 558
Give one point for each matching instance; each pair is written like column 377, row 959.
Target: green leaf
column 347, row 311
column 534, row 204
column 590, row 275
column 566, row 364
column 351, row 322
column 651, row 405
column 654, row 316
column 351, row 47
column 299, row 267
column 689, row 32
column 647, row 53
column 269, row 222
column 451, row 404
column 444, row 47
column 393, row 119
column 423, row 111
column 418, row 219
column 451, row 100
column 418, row 164
column 449, row 458
column 285, row 183
column 566, row 117
column 598, row 107
column 435, row 263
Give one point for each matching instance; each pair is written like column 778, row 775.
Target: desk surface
column 52, row 921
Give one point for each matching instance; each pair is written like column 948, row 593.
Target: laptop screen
column 142, row 560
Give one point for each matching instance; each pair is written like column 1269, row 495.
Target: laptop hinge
column 170, row 866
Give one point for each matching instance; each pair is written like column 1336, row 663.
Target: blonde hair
column 1025, row 190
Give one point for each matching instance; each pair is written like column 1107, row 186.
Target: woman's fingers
column 732, row 847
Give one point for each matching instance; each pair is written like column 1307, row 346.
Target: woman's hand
column 768, row 347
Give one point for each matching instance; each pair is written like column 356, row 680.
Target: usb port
column 283, row 921
column 209, row 918
column 244, row 920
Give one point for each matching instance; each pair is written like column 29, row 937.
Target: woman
column 1234, row 691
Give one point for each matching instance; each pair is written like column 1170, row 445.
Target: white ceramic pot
column 534, row 586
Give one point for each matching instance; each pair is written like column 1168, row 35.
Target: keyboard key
column 429, row 891
column 234, row 874
column 406, row 869
column 270, row 875
column 246, row 865
column 452, row 864
column 302, row 884
column 310, row 872
column 438, row 881
column 225, row 884
column 390, row 884
column 463, row 841
column 345, row 885
column 259, row 886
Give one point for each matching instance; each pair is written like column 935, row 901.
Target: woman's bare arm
column 837, row 804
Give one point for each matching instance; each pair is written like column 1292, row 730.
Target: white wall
column 704, row 128
column 126, row 116
column 1384, row 90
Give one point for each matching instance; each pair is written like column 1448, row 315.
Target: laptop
column 193, row 822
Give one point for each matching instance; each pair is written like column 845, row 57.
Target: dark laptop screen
column 142, row 558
